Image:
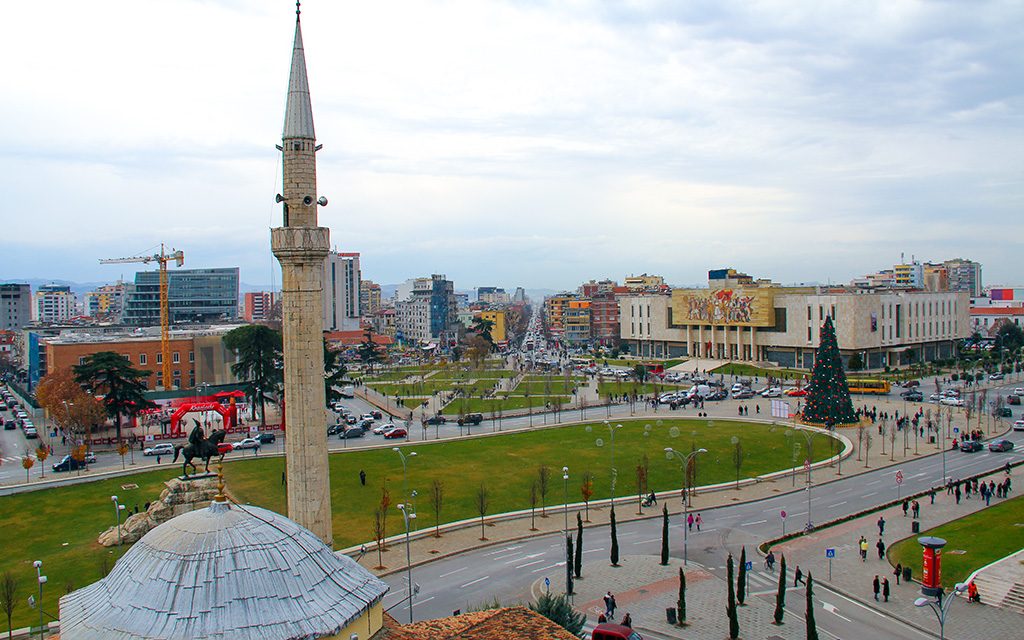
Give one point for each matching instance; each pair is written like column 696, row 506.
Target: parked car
column 743, row 394
column 352, row 432
column 471, row 419
column 336, row 428
column 996, row 376
column 1018, row 425
column 1019, row 391
column 772, row 392
column 367, row 416
column 350, row 419
column 1014, row 399
column 68, row 463
column 970, row 446
column 162, row 449
column 909, row 384
column 912, row 395
column 718, row 394
column 9, row 425
column 1000, row 445
column 435, row 420
column 381, row 428
column 246, row 443
column 30, row 432
column 609, row 631
column 377, row 415
column 266, row 437
column 397, row 432
column 1003, row 412
column 796, row 393
column 224, row 447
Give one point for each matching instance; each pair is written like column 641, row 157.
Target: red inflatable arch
column 228, row 413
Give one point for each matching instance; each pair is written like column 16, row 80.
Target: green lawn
column 645, row 388
column 986, row 536
column 741, row 369
column 504, row 403
column 59, row 526
column 555, row 386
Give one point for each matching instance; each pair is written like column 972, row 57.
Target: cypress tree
column 664, row 535
column 568, row 564
column 730, row 607
column 615, row 542
column 828, row 396
column 812, row 628
column 780, row 597
column 579, row 546
column 681, row 602
column 741, row 579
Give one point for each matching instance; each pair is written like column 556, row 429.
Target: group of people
column 609, row 612
column 986, row 491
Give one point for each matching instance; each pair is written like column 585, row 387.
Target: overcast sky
column 519, row 143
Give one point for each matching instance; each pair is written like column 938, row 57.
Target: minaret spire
column 298, row 114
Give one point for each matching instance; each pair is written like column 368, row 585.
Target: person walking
column 627, row 620
column 906, row 507
column 885, row 589
column 881, row 526
column 699, row 521
column 881, row 548
column 915, row 508
column 956, row 494
column 614, row 605
column 898, row 572
column 798, row 577
column 608, row 604
column 689, row 521
column 362, row 477
column 863, row 549
column 876, row 586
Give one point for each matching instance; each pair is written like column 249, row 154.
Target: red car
column 224, row 447
column 796, row 393
column 396, row 433
column 608, row 631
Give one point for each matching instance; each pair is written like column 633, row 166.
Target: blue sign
column 547, row 582
column 750, row 565
column 956, row 429
column 830, row 553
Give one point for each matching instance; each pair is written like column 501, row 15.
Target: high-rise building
column 964, row 275
column 492, row 295
column 519, row 296
column 341, row 291
column 429, row 313
column 106, row 301
column 15, row 306
column 194, row 295
column 644, row 282
column 369, row 298
column 53, row 303
column 258, row 306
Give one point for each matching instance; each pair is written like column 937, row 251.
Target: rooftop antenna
column 298, row 8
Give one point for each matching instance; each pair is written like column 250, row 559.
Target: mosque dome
column 225, row 571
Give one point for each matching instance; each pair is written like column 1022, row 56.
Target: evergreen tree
column 558, row 610
column 681, row 601
column 828, row 398
column 259, row 353
column 664, row 535
column 568, row 564
column 579, row 546
column 780, row 596
column 812, row 627
column 123, row 388
column 334, row 374
column 741, row 579
column 615, row 542
column 730, row 607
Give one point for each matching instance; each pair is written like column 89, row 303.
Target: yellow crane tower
column 162, row 259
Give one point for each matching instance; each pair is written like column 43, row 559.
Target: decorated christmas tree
column 828, row 397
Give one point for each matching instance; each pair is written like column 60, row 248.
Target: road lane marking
column 474, row 582
column 835, row 505
column 868, row 495
column 831, row 608
column 528, row 564
column 594, row 550
column 647, row 541
column 445, row 575
column 747, row 524
column 518, row 546
column 550, row 566
column 529, row 557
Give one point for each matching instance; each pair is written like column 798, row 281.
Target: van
column 347, row 391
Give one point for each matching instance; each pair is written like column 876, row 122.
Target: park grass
column 644, row 388
column 37, row 525
column 389, row 376
column 554, row 386
column 987, row 535
column 506, row 403
column 742, row 369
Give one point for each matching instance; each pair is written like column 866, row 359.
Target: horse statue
column 199, row 446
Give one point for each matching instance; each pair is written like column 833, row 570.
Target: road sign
column 956, row 429
column 807, row 464
column 830, row 553
column 750, row 565
column 547, row 582
column 899, row 477
column 782, row 514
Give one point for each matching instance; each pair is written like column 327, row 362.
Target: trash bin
column 906, row 574
column 915, row 526
column 670, row 615
column 931, row 439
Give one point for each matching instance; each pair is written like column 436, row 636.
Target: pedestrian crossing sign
column 830, row 553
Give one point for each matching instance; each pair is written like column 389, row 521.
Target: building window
column 142, row 358
column 160, row 358
column 81, row 360
column 191, row 356
column 175, row 357
column 127, row 356
column 808, row 334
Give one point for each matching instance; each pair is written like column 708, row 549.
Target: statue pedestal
column 199, row 476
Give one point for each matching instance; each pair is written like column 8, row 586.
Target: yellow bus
column 875, row 387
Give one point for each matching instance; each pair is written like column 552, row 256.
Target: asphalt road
column 508, row 571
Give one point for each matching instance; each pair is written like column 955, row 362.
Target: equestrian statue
column 199, row 446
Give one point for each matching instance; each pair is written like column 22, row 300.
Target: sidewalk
column 853, row 577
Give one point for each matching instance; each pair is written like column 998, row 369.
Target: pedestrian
column 607, row 604
column 931, row 494
column 957, row 494
column 700, row 520
column 158, row 459
column 863, row 549
column 881, row 526
column 876, row 587
column 627, row 620
column 898, row 572
column 601, row 619
column 906, row 507
column 885, row 589
column 284, row 481
column 689, row 522
column 881, row 548
column 991, row 484
column 1007, row 469
column 798, row 577
column 915, row 508
column 362, row 477
column 614, row 606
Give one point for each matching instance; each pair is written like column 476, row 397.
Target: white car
column 1018, row 425
column 367, row 416
column 380, row 429
column 247, row 443
column 952, row 401
column 1019, row 391
column 772, row 392
column 162, row 449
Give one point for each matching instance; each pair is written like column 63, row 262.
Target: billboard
column 732, row 307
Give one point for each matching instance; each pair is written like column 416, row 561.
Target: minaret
column 301, row 248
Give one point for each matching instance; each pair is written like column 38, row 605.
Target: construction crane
column 162, row 259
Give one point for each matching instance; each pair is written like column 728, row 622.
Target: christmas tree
column 828, row 397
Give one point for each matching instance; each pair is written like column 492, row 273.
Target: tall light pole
column 809, row 437
column 940, row 606
column 686, row 460
column 118, row 508
column 41, row 579
column 565, row 528
column 408, row 513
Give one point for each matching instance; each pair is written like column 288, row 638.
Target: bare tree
column 883, row 430
column 587, row 492
column 481, row 507
column 534, row 499
column 737, row 459
column 543, row 484
column 867, row 448
column 8, row 596
column 861, row 430
column 385, row 504
column 641, row 487
column 436, row 501
column 378, row 535
column 892, row 444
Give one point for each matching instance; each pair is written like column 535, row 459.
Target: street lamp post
column 670, row 453
column 118, row 508
column 41, row 579
column 940, row 606
column 809, row 437
column 565, row 528
column 408, row 514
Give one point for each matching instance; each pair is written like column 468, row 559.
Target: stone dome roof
column 226, row 571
